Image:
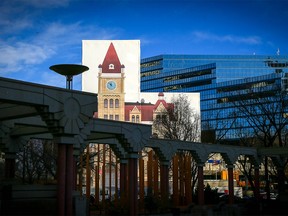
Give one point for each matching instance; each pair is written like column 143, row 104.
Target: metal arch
column 40, row 111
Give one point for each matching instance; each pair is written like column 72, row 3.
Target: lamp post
column 69, row 70
column 66, row 162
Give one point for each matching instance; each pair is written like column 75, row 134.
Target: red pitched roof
column 146, row 109
column 111, row 58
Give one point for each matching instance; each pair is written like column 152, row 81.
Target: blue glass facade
column 216, row 77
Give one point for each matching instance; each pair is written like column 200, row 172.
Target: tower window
column 117, row 103
column 105, row 103
column 111, row 103
column 111, row 66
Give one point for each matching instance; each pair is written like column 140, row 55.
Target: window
column 133, row 118
column 111, row 117
column 137, row 119
column 111, row 66
column 105, row 116
column 111, row 103
column 117, row 117
column 158, row 118
column 105, row 103
column 117, row 103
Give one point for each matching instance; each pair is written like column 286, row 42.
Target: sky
column 35, row 34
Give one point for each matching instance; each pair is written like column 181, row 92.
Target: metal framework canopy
column 40, row 111
column 29, row 110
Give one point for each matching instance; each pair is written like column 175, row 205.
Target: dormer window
column 111, row 66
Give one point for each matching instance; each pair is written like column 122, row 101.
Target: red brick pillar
column 200, row 184
column 123, row 182
column 9, row 165
column 141, row 184
column 61, row 179
column 65, row 179
column 150, row 173
column 188, row 186
column 164, row 182
column 88, row 173
column 281, row 179
column 175, row 181
column 155, row 177
column 257, row 183
column 69, row 179
column 230, row 184
column 133, row 186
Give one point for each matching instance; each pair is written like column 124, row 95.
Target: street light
column 69, row 70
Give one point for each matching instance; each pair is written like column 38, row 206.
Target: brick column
column 200, row 184
column 164, row 182
column 123, row 182
column 188, row 186
column 281, row 179
column 141, row 183
column 65, row 179
column 69, row 179
column 175, row 180
column 9, row 172
column 61, row 178
column 230, row 184
column 257, row 183
column 133, row 186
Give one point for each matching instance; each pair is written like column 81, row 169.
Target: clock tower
column 111, row 96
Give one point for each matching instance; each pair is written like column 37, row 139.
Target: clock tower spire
column 111, row 96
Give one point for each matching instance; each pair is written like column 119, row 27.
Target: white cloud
column 200, row 36
column 43, row 3
column 27, row 40
column 14, row 57
column 56, row 39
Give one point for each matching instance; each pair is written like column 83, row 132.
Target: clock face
column 111, row 85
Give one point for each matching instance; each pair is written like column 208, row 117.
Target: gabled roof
column 110, row 59
column 146, row 109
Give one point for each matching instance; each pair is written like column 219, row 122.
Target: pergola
column 30, row 110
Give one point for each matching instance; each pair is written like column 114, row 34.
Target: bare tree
column 263, row 114
column 180, row 122
column 217, row 129
column 37, row 161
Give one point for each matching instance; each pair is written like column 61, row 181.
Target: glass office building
column 218, row 78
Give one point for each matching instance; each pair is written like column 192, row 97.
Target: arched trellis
column 66, row 116
column 200, row 153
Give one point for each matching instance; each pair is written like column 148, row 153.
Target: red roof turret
column 111, row 62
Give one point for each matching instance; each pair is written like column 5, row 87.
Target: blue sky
column 36, row 34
